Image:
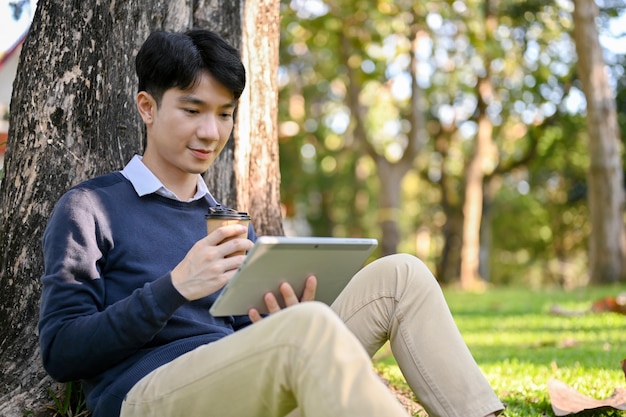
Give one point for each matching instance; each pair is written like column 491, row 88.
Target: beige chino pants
column 304, row 356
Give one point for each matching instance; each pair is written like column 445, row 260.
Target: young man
column 130, row 275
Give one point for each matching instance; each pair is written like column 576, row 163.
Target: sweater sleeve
column 80, row 335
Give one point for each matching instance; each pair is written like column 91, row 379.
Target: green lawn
column 520, row 345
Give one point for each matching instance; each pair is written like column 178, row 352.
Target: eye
column 190, row 111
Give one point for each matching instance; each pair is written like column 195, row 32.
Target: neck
column 183, row 184
column 184, row 189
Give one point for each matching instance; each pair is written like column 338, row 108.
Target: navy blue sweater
column 109, row 312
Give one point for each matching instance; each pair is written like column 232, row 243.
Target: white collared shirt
column 145, row 182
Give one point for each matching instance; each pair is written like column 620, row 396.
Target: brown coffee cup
column 222, row 216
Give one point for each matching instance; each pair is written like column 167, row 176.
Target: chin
column 201, row 168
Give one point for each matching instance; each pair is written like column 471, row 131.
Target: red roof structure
column 4, row 56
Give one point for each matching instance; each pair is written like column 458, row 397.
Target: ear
column 147, row 107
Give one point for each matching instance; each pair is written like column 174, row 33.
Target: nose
column 208, row 128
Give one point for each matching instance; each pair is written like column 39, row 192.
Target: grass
column 520, row 345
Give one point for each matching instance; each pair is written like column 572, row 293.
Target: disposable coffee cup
column 222, row 216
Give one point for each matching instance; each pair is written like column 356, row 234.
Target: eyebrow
column 196, row 101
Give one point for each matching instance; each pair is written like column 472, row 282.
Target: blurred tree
column 391, row 166
column 74, row 121
column 498, row 72
column 539, row 214
column 482, row 159
column 371, row 121
column 605, row 179
column 494, row 84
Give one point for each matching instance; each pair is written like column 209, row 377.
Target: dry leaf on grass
column 566, row 400
column 604, row 305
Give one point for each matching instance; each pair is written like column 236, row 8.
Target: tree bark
column 257, row 167
column 66, row 127
column 605, row 177
column 76, row 119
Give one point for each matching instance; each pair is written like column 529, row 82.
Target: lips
column 202, row 153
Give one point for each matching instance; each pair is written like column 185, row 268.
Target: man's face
column 187, row 132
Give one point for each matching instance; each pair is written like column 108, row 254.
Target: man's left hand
column 289, row 296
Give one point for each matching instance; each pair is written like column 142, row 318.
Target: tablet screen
column 276, row 259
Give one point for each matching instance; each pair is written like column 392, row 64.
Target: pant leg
column 303, row 355
column 396, row 298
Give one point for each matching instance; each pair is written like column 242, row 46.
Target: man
column 130, row 275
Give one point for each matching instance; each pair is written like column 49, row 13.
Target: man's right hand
column 209, row 264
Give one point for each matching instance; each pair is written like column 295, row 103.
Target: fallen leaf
column 610, row 304
column 566, row 400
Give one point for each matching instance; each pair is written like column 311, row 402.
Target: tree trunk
column 69, row 123
column 77, row 119
column 449, row 264
column 390, row 176
column 473, row 202
column 492, row 185
column 605, row 177
column 257, row 167
column 481, row 161
column 390, row 173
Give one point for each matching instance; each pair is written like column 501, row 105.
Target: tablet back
column 277, row 259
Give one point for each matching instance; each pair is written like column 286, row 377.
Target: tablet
column 277, row 259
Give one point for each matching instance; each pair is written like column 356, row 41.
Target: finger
column 254, row 315
column 288, row 294
column 235, row 247
column 310, row 287
column 225, row 248
column 271, row 303
column 231, row 263
column 225, row 232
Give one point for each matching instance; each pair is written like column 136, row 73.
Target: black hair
column 176, row 60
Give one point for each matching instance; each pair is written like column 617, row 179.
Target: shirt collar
column 145, row 182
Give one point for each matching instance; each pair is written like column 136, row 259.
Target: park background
column 365, row 152
column 454, row 130
column 458, row 131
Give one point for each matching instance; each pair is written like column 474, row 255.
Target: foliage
column 70, row 401
column 549, row 243
column 322, row 179
column 520, row 345
column 536, row 109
